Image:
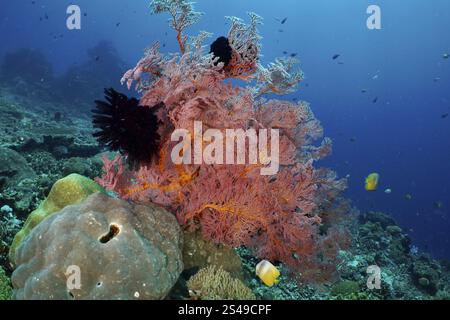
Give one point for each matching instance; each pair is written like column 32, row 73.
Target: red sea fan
column 279, row 217
column 116, row 175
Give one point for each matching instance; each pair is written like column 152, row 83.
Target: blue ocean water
column 404, row 136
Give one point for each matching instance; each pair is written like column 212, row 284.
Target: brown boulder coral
column 103, row 248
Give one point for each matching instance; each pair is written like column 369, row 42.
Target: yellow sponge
column 72, row 189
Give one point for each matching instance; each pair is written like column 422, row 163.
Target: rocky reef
column 60, row 229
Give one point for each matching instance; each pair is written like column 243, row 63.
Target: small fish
column 438, row 205
column 445, row 115
column 363, row 90
column 353, row 139
column 285, row 52
column 437, row 79
column 117, row 24
column 388, row 191
column 408, row 197
column 46, row 17
column 85, row 14
column 336, row 56
column 375, row 100
column 445, row 56
column 97, row 58
column 340, row 62
column 375, row 77
column 268, row 273
column 293, row 55
column 280, row 30
column 284, row 20
column 372, row 181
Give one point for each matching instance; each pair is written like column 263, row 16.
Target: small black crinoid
column 221, row 49
column 125, row 126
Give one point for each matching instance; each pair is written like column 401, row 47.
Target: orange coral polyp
column 240, row 68
column 184, row 178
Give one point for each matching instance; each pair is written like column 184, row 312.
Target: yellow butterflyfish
column 268, row 273
column 372, row 182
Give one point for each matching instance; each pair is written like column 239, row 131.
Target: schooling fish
column 336, row 56
column 284, row 21
column 372, row 181
column 268, row 273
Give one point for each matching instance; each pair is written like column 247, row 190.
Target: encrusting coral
column 213, row 283
column 72, row 189
column 278, row 217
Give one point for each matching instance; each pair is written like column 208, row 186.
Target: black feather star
column 221, row 49
column 125, row 126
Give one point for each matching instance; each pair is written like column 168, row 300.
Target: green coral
column 5, row 286
column 72, row 189
column 426, row 274
column 345, row 288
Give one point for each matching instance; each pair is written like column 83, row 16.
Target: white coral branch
column 279, row 77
